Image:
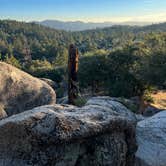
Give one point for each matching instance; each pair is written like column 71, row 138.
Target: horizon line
column 66, row 21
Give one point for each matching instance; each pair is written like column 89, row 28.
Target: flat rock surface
column 114, row 106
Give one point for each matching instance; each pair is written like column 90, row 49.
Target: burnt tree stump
column 72, row 74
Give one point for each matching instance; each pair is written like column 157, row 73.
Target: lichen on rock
column 64, row 135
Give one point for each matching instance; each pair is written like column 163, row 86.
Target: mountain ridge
column 81, row 26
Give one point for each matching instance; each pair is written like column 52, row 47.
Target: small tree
column 13, row 61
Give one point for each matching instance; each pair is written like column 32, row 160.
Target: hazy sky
column 84, row 10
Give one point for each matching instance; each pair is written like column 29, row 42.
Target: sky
column 84, row 10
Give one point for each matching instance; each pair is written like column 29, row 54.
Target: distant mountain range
column 81, row 26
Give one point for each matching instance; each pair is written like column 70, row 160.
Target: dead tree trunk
column 72, row 74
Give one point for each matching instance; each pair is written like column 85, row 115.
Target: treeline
column 46, row 43
column 127, row 72
column 120, row 60
column 18, row 38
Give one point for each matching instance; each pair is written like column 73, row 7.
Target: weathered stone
column 129, row 103
column 113, row 105
column 19, row 91
column 53, row 84
column 60, row 135
column 151, row 138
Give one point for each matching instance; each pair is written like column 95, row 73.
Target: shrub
column 80, row 101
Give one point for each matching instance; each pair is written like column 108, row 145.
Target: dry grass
column 159, row 99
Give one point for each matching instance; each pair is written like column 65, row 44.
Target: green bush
column 46, row 70
column 60, row 92
column 80, row 101
column 115, row 73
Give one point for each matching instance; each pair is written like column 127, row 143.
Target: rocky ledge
column 101, row 133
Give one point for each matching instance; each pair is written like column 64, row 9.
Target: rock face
column 19, row 91
column 56, row 135
column 53, row 84
column 151, row 138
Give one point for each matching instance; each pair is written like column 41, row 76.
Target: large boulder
column 20, row 91
column 151, row 139
column 63, row 135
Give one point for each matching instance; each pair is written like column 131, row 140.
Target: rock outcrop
column 98, row 134
column 19, row 91
column 53, row 84
column 151, row 139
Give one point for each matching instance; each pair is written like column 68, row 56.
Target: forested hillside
column 118, row 56
column 42, row 42
column 48, row 43
column 82, row 26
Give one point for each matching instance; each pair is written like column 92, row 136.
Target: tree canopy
column 122, row 60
